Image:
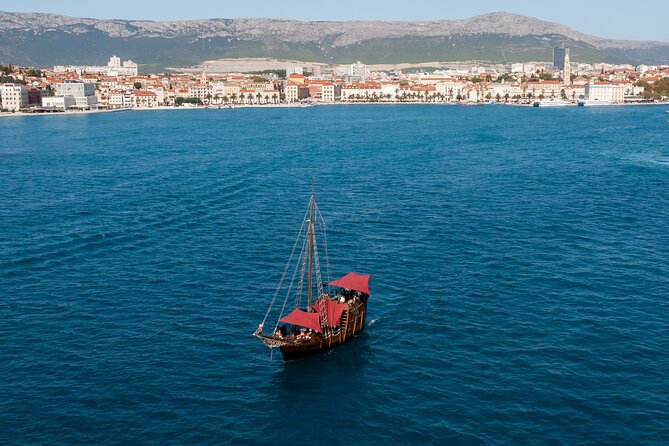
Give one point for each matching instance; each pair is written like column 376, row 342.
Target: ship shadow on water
column 353, row 354
column 345, row 363
column 302, row 388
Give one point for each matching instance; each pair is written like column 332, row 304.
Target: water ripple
column 518, row 294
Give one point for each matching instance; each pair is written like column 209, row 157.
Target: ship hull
column 292, row 352
column 296, row 351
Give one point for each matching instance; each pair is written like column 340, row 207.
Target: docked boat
column 552, row 102
column 334, row 311
column 594, row 103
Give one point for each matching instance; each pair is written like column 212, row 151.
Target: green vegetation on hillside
column 156, row 54
column 655, row 90
column 11, row 80
column 279, row 73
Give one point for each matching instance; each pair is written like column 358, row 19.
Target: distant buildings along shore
column 119, row 85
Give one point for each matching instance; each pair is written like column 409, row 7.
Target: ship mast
column 311, row 244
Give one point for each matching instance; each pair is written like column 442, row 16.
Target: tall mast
column 311, row 243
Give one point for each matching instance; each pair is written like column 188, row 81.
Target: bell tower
column 566, row 72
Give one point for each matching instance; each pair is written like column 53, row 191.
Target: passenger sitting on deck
column 277, row 333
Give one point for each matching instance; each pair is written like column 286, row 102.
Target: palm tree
column 266, row 98
column 498, row 97
column 216, row 98
column 233, row 96
column 208, row 98
column 258, row 97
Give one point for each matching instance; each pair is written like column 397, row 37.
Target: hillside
column 48, row 39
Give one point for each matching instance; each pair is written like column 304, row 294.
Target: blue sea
column 519, row 261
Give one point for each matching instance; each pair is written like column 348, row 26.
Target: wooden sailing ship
column 335, row 315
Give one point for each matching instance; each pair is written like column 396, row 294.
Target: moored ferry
column 552, row 102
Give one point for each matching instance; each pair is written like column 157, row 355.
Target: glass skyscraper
column 559, row 54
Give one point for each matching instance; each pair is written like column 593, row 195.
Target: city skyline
column 612, row 19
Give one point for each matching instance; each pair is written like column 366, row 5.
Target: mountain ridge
column 329, row 41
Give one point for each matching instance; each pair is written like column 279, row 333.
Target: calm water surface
column 520, row 262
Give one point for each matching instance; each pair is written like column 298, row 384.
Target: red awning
column 353, row 281
column 332, row 309
column 303, row 319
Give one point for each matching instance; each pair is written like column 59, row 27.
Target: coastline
column 292, row 106
column 63, row 113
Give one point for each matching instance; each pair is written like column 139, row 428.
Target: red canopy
column 332, row 309
column 303, row 319
column 353, row 281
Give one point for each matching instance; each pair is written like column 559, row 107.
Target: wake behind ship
column 330, row 316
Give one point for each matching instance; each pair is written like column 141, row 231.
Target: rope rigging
column 300, row 284
column 325, row 243
column 308, row 235
column 285, row 270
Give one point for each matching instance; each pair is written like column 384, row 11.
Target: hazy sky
column 613, row 18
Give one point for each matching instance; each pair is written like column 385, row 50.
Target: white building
column 355, row 72
column 129, row 68
column 199, row 91
column 294, row 69
column 291, row 92
column 63, row 102
column 503, row 89
column 517, row 68
column 114, row 62
column 390, row 88
column 13, row 97
column 360, row 91
column 605, row 92
column 222, row 89
column 113, row 68
column 83, row 93
column 328, row 92
column 452, row 88
column 144, row 99
column 120, row 99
